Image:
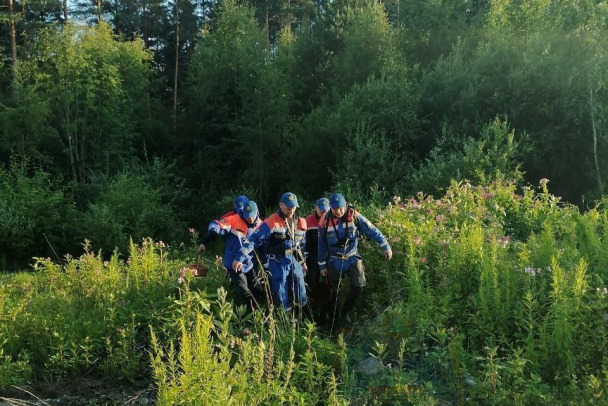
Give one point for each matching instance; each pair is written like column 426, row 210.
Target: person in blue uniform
column 283, row 237
column 338, row 253
column 238, row 228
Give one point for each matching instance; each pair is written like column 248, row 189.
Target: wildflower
column 181, row 244
column 417, row 240
column 383, row 271
column 543, row 181
column 232, row 343
column 396, row 199
column 106, row 263
column 444, row 243
column 396, row 239
column 420, row 195
column 246, row 332
column 440, row 218
column 414, row 204
column 181, row 280
column 160, row 244
column 423, row 260
column 191, row 230
column 389, row 365
column 128, row 261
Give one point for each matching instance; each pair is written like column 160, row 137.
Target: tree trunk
column 145, row 24
column 267, row 30
column 13, row 38
column 98, row 11
column 65, row 11
column 594, row 128
column 176, row 66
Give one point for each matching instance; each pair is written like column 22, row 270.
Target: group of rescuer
column 296, row 252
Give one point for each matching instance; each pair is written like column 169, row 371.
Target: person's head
column 240, row 202
column 288, row 204
column 249, row 213
column 322, row 206
column 337, row 204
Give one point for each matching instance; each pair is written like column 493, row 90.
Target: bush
column 494, row 155
column 142, row 201
column 35, row 215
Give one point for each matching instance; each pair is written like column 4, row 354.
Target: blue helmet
column 250, row 210
column 290, row 200
column 337, row 200
column 240, row 201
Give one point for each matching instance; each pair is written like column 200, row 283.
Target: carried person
column 283, row 235
column 238, row 228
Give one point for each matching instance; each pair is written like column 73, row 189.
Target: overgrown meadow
column 494, row 296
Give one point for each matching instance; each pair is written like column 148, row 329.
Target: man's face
column 320, row 212
column 287, row 212
column 251, row 220
column 339, row 212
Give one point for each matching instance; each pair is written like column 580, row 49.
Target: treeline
column 140, row 118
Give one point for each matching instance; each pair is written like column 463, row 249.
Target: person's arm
column 372, row 232
column 213, row 230
column 261, row 251
column 257, row 238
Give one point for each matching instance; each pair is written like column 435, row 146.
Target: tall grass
column 494, row 296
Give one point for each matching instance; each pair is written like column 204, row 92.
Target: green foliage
column 269, row 362
column 95, row 87
column 136, row 203
column 495, row 155
column 519, row 290
column 364, row 45
column 87, row 316
column 33, row 214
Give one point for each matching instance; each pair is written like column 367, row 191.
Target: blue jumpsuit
column 284, row 247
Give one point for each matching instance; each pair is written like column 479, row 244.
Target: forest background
column 142, row 118
column 453, row 125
